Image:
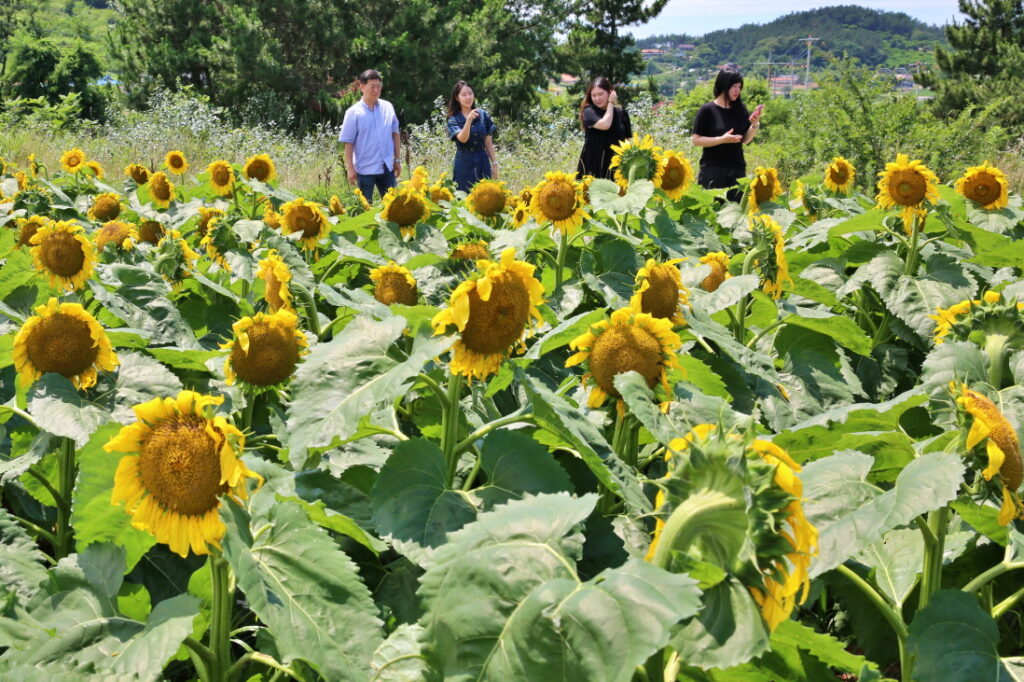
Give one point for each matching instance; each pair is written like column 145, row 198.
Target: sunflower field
column 579, row 430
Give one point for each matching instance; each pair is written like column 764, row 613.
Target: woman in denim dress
column 473, row 131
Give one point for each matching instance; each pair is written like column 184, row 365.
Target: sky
column 697, row 17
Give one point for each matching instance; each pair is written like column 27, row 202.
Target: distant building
column 686, row 47
column 567, row 79
column 651, row 53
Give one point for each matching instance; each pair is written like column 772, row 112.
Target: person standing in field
column 604, row 124
column 372, row 142
column 473, row 131
column 722, row 127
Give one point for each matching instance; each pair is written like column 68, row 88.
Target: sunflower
column 271, row 217
column 106, row 206
column 151, row 231
column 984, row 185
column 180, row 460
column 520, row 212
column 174, row 259
column 635, row 159
column 908, row 184
column 719, row 264
column 1002, row 447
column 260, row 167
column 33, row 165
column 405, row 207
column 61, row 250
column 491, row 310
column 275, row 274
column 473, row 251
column 977, row 320
column 175, row 162
column 774, row 267
column 137, row 173
column 439, row 193
column 73, row 160
column 95, row 168
column 22, row 179
column 362, row 200
column 222, row 177
column 219, row 240
column 631, row 340
column 394, row 284
column 121, row 234
column 418, row 181
column 161, row 190
column 674, row 174
column 525, row 196
column 839, row 175
column 558, row 198
column 660, row 291
column 62, row 338
column 764, row 187
column 487, row 198
column 335, row 205
column 299, row 215
column 27, row 228
column 265, row 350
column 206, row 216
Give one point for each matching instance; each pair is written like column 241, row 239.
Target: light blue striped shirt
column 369, row 131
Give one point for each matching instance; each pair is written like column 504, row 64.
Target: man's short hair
column 369, row 75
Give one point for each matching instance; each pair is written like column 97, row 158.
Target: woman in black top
column 722, row 127
column 604, row 124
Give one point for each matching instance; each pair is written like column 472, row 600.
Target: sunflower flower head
column 335, row 206
column 773, row 266
column 660, row 291
column 119, row 234
column 173, row 258
column 62, row 338
column 222, row 177
column 840, row 175
column 418, row 181
column 73, row 160
column 440, row 192
column 62, row 251
column 206, row 216
column 271, row 217
column 94, row 168
column 629, row 341
column 985, row 185
column 27, row 228
column 151, row 231
column 106, row 206
column 472, row 251
column 175, row 162
column 265, row 350
column 487, row 198
column 161, row 190
column 492, row 310
column 674, row 174
column 260, row 167
column 179, row 460
column 520, row 212
column 991, row 319
column 635, row 159
column 140, row 174
column 558, row 199
column 907, row 184
column 275, row 275
column 306, row 218
column 764, row 188
column 404, row 207
column 393, row 284
column 719, row 264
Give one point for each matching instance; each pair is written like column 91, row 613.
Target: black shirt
column 596, row 156
column 714, row 121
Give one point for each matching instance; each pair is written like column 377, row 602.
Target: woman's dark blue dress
column 471, row 160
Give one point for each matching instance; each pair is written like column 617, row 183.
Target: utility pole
column 771, row 88
column 807, row 74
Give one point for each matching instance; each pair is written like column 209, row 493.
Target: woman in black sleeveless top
column 722, row 127
column 604, row 124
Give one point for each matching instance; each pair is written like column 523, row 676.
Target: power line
column 807, row 74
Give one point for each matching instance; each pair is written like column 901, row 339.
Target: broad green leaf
column 991, row 249
column 954, row 640
column 61, row 409
column 604, row 195
column 93, row 517
column 21, row 561
column 869, row 221
column 983, row 519
column 915, row 299
column 343, row 379
column 141, row 299
column 703, row 377
column 516, row 464
column 139, row 379
column 895, row 560
column 640, row 401
column 169, row 623
column 842, row 330
column 339, row 523
column 812, row 290
column 180, row 358
column 305, row 589
column 826, row 649
column 563, row 333
column 729, row 629
column 411, row 501
column 728, row 293
column 881, row 272
column 398, row 657
column 17, row 271
column 953, row 361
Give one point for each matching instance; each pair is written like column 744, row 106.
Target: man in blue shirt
column 370, row 134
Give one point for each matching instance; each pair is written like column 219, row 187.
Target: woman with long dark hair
column 473, row 131
column 604, row 124
column 722, row 127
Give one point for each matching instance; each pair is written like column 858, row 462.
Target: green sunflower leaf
column 58, row 407
column 954, row 640
column 398, row 658
column 140, row 298
column 21, row 561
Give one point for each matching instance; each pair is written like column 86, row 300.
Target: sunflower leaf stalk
column 744, row 303
column 220, row 618
column 563, row 247
column 997, row 351
column 66, row 482
column 309, row 307
column 450, row 426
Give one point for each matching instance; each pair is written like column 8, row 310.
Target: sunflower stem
column 931, row 574
column 996, row 350
column 487, row 428
column 247, row 412
column 450, row 425
column 912, row 252
column 741, row 307
column 991, row 574
column 201, row 657
column 563, row 247
column 888, row 612
column 66, row 483
column 1002, row 607
column 59, row 500
column 309, row 306
column 220, row 619
column 436, row 389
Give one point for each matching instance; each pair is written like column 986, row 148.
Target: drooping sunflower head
column 719, row 264
column 418, row 181
column 630, row 340
column 1002, row 447
column 472, row 251
column 173, row 258
column 487, row 198
column 985, row 185
column 393, row 284
column 179, row 460
column 161, row 190
column 265, row 350
column 491, row 310
column 151, row 231
column 120, row 234
column 260, row 167
column 774, row 267
column 271, row 217
column 405, row 207
column 307, row 218
column 175, row 162
column 22, row 179
column 660, row 291
column 635, row 159
column 220, row 239
column 839, row 175
column 206, row 215
column 62, row 338
column 439, row 192
column 363, row 203
column 73, row 160
column 989, row 320
column 95, row 168
column 335, row 205
column 907, row 184
column 140, row 174
column 27, row 228
column 222, row 177
column 674, row 174
column 765, row 187
column 33, row 166
column 275, row 275
column 62, row 251
column 106, row 206
column 558, row 199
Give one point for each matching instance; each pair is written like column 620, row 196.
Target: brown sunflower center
column 662, row 296
column 495, row 324
column 907, row 187
column 839, row 174
column 273, row 354
column 621, row 349
column 304, row 220
column 1011, row 471
column 74, row 161
column 221, row 175
column 982, row 188
column 674, row 175
column 151, row 231
column 62, row 254
column 488, row 200
column 140, row 175
column 557, row 200
column 176, row 161
column 106, row 208
column 405, row 210
column 111, row 233
column 715, row 279
column 762, row 190
column 259, row 170
column 394, row 288
column 180, row 466
column 160, row 189
column 28, row 230
column 470, row 251
column 61, row 343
